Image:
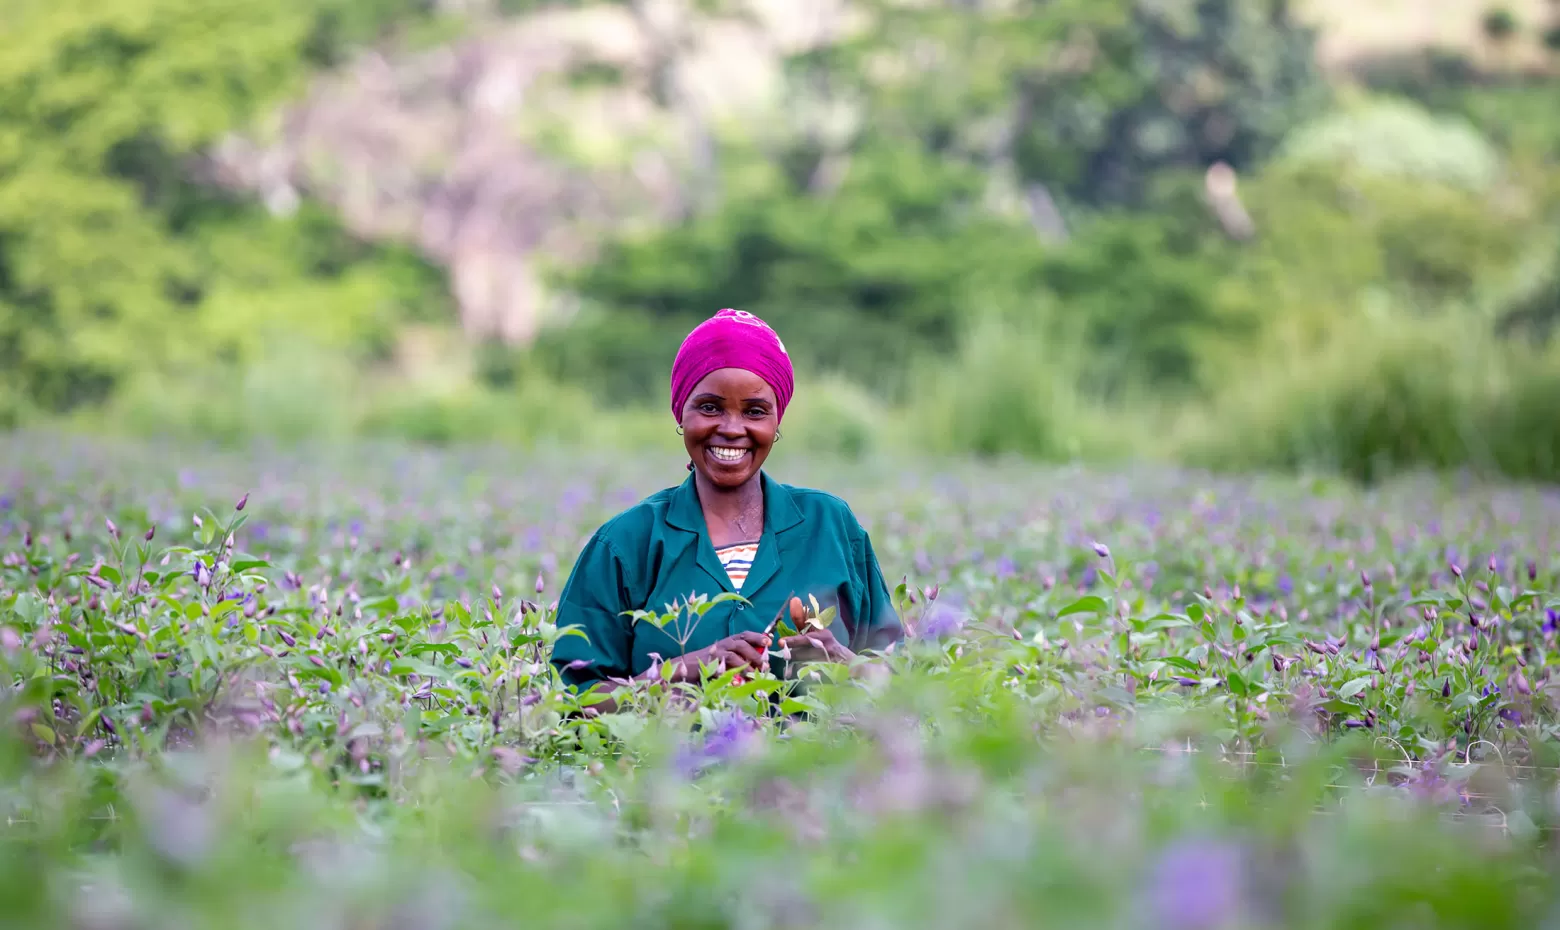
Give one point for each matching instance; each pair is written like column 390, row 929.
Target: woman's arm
column 595, row 599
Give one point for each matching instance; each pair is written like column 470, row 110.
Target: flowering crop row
column 351, row 658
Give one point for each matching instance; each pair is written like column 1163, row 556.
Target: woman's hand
column 743, row 650
column 812, row 643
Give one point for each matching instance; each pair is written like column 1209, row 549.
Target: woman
column 728, row 527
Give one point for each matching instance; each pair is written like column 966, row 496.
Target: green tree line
column 1062, row 228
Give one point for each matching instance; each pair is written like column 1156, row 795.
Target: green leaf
column 1087, row 604
column 448, row 649
column 410, row 666
column 1354, row 687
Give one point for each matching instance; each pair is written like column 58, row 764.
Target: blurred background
column 1240, row 234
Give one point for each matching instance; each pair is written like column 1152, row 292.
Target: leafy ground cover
column 311, row 688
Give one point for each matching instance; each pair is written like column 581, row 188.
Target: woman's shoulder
column 818, row 504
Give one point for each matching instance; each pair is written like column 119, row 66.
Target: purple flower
column 1196, row 884
column 1551, row 620
column 731, row 735
column 942, row 618
column 1102, row 550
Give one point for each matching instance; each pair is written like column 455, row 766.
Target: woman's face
column 729, row 424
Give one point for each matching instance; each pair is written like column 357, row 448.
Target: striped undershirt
column 738, row 561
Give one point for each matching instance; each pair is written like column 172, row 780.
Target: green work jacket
column 658, row 552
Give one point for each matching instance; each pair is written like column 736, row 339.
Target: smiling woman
column 729, row 527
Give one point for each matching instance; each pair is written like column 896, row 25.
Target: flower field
column 312, row 689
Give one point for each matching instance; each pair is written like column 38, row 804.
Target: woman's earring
column 679, row 431
column 777, row 435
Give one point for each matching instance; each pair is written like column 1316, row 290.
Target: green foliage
column 1135, row 297
column 114, row 258
column 893, row 207
column 1395, row 138
column 1094, row 98
column 870, row 264
column 1336, row 242
column 857, row 281
column 1390, row 394
column 1009, row 390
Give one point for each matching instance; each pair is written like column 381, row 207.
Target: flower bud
column 1102, row 550
column 112, row 529
column 541, row 584
column 242, row 501
column 150, row 533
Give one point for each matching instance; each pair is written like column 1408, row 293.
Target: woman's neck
column 740, row 508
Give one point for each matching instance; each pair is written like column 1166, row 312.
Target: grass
column 1138, row 698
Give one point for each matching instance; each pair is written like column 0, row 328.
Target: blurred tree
column 859, row 281
column 1088, row 97
column 105, row 226
column 934, row 158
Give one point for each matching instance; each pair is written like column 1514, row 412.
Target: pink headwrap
column 732, row 339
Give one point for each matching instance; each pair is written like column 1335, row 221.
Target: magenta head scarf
column 732, row 339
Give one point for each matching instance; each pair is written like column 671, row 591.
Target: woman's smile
column 727, row 455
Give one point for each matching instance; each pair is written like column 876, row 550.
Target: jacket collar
column 685, row 512
column 780, row 515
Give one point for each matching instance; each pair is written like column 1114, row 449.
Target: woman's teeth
column 727, row 455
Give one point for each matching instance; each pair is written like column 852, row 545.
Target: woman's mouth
column 727, row 455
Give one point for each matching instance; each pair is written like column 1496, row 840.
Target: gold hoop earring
column 679, row 430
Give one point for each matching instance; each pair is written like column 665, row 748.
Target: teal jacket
column 658, row 552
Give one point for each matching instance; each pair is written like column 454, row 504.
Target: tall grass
column 1010, row 389
column 1385, row 395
